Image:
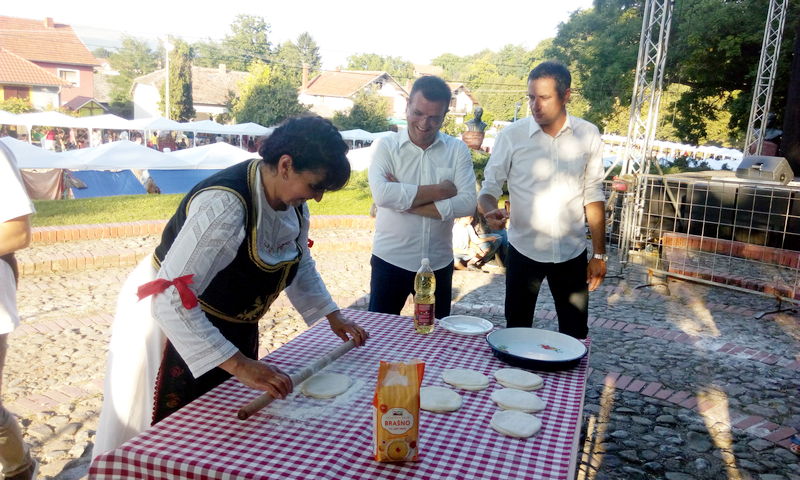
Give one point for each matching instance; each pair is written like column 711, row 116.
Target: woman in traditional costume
column 187, row 318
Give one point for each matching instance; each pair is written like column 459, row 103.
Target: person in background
column 473, row 247
column 15, row 234
column 187, row 318
column 421, row 179
column 552, row 162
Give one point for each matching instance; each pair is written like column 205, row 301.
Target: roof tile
column 15, row 70
column 35, row 41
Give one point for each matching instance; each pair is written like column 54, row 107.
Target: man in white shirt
column 421, row 179
column 15, row 234
column 553, row 164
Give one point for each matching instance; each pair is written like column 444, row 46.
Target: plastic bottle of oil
column 424, row 299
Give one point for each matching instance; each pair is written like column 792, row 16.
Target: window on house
column 16, row 92
column 71, row 76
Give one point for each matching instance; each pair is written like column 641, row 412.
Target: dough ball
column 465, row 379
column 439, row 399
column 326, row 385
column 512, row 399
column 519, row 379
column 515, row 424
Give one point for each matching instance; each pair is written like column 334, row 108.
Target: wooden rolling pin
column 297, row 378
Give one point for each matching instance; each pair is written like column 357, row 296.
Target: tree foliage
column 181, row 106
column 291, row 56
column 398, row 68
column 248, row 42
column 712, row 61
column 266, row 97
column 370, row 112
column 133, row 59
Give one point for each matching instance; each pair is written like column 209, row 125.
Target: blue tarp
column 179, row 181
column 106, row 184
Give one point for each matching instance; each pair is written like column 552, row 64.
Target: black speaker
column 765, row 168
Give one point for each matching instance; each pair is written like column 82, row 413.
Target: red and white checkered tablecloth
column 303, row 438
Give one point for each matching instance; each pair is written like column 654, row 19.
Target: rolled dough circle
column 465, row 379
column 519, row 379
column 439, row 399
column 515, row 424
column 326, row 385
column 513, row 399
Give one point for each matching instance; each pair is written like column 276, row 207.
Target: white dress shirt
column 404, row 239
column 14, row 203
column 550, row 180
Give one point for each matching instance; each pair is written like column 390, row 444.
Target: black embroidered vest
column 234, row 301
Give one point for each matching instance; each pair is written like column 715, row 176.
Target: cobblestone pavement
column 683, row 386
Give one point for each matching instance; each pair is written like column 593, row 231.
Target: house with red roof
column 44, row 62
column 334, row 91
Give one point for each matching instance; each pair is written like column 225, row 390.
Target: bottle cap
column 425, row 261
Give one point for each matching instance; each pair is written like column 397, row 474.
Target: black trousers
column 567, row 281
column 390, row 286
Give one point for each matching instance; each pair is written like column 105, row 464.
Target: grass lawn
column 131, row 208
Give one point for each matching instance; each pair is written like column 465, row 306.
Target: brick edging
column 68, row 233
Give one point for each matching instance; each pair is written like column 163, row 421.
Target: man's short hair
column 555, row 70
column 433, row 88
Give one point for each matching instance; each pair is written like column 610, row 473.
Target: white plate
column 536, row 344
column 466, row 325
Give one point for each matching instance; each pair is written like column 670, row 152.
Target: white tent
column 30, row 156
column 7, row 118
column 251, row 129
column 119, row 155
column 204, row 126
column 360, row 158
column 212, row 156
column 357, row 134
column 47, row 119
column 156, row 123
column 107, row 121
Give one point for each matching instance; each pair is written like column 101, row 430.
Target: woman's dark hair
column 314, row 145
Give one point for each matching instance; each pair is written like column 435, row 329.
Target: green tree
column 450, row 127
column 370, row 112
column 291, row 56
column 266, row 97
column 101, row 52
column 248, row 42
column 16, row 105
column 133, row 59
column 181, row 103
column 208, row 53
column 398, row 68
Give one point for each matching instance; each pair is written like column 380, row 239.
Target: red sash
column 188, row 298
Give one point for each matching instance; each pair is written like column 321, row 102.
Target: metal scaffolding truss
column 644, row 113
column 762, row 90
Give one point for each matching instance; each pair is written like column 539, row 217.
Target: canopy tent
column 357, row 134
column 360, row 158
column 204, row 126
column 107, row 121
column 30, row 156
column 47, row 119
column 117, row 155
column 155, row 123
column 113, row 122
column 212, row 156
column 378, row 135
column 250, row 129
column 7, row 118
column 106, row 184
column 179, row 181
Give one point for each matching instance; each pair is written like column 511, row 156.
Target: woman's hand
column 258, row 375
column 347, row 329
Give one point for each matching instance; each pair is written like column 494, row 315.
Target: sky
column 415, row 30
